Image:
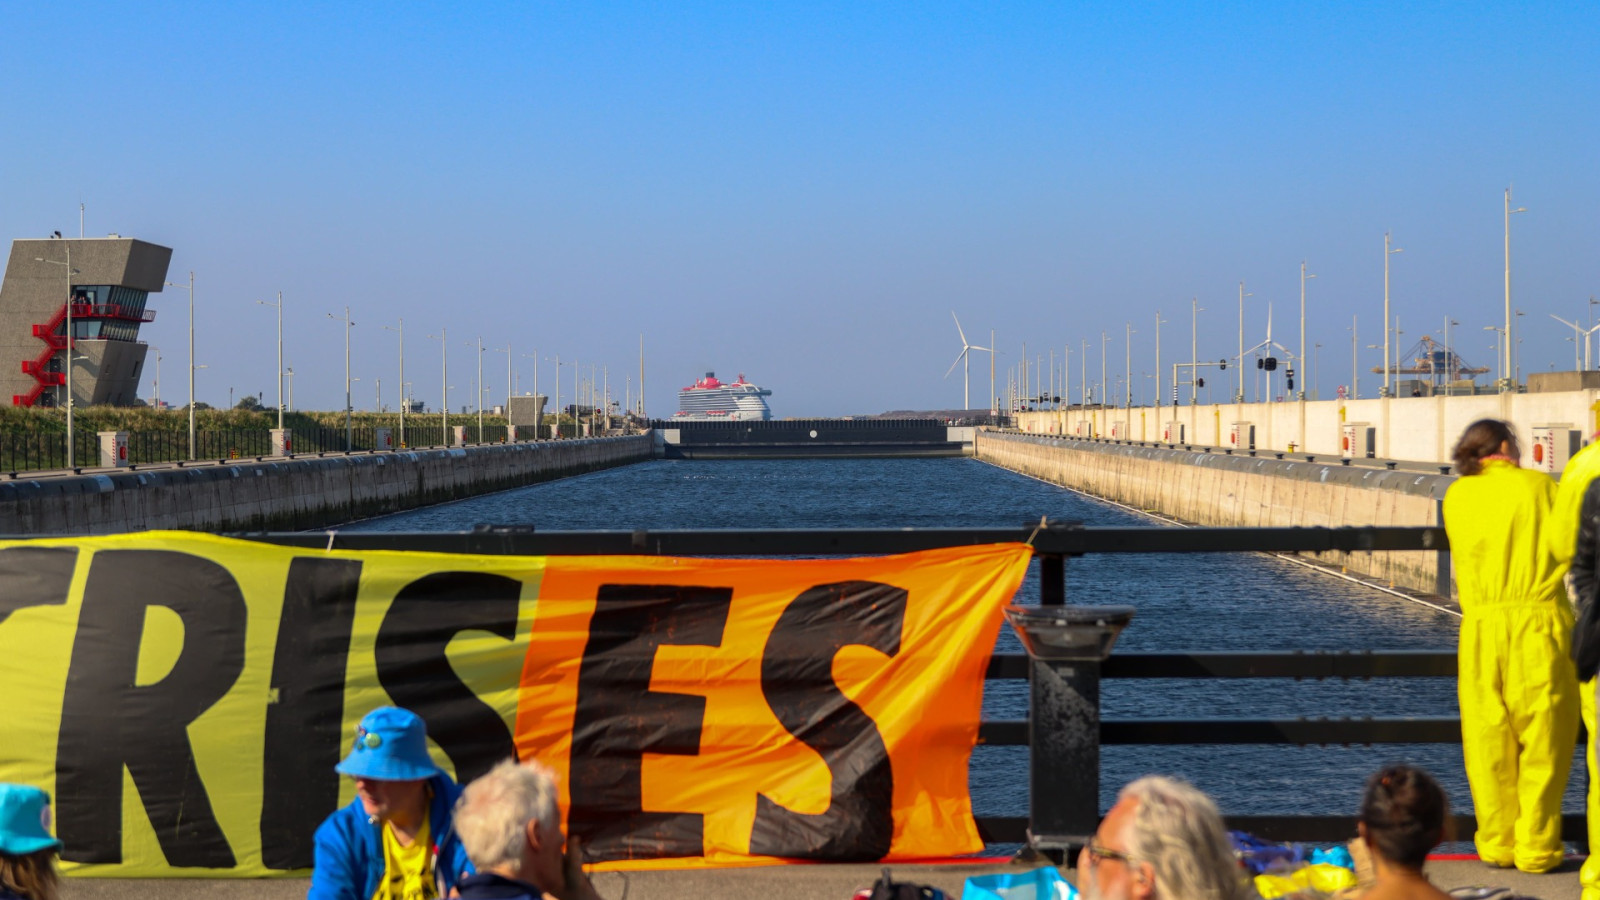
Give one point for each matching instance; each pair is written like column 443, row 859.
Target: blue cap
column 391, row 745
column 24, row 820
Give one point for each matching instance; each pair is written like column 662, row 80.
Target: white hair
column 1179, row 832
column 493, row 813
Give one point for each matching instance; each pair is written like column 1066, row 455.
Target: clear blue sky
column 804, row 192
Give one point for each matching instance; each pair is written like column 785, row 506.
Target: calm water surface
column 1234, row 602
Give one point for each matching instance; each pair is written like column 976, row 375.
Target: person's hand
column 575, row 883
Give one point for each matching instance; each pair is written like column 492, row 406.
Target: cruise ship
column 710, row 400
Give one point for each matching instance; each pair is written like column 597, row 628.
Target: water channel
column 1233, row 602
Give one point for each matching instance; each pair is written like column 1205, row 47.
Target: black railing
column 1053, row 544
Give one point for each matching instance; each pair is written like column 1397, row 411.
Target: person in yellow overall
column 1581, row 470
column 1518, row 688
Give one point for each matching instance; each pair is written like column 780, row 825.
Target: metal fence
column 1064, row 785
column 46, row 451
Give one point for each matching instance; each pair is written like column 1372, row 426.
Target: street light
column 1239, row 375
column 443, row 337
column 507, row 351
column 1303, row 279
column 1194, row 348
column 279, row 306
column 539, row 410
column 349, row 428
column 1388, row 382
column 289, row 377
column 478, row 388
column 192, row 365
column 1355, row 368
column 71, row 461
column 1499, row 357
column 1506, row 343
column 403, row 401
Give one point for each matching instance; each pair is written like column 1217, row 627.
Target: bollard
column 1066, row 645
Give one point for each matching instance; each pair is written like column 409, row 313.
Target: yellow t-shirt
column 407, row 871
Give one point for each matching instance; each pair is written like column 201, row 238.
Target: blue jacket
column 489, row 886
column 349, row 849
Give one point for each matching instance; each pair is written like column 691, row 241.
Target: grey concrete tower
column 110, row 278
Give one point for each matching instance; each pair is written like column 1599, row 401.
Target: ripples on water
column 1238, row 601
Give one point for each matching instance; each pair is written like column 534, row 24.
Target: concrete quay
column 1204, row 488
column 292, row 493
column 801, row 882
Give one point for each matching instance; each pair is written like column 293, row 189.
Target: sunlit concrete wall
column 295, row 494
column 1405, row 428
column 1220, row 490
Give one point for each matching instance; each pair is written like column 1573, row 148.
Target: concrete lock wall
column 1405, row 428
column 293, row 494
column 1242, row 491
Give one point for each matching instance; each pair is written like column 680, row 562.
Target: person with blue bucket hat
column 27, row 849
column 395, row 841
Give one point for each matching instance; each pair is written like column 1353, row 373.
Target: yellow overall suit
column 1581, row 469
column 1518, row 688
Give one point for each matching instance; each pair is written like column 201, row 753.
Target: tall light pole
column 1159, row 385
column 479, row 388
column 1506, row 343
column 1303, row 279
column 349, row 427
column 401, row 331
column 1314, row 349
column 279, row 306
column 507, row 351
column 1388, row 373
column 1083, row 371
column 71, row 448
column 539, row 413
column 1499, row 357
column 443, row 337
column 192, row 366
column 1104, row 384
column 158, row 374
column 1194, row 348
column 1238, row 376
column 289, row 377
column 1127, row 362
column 1355, row 368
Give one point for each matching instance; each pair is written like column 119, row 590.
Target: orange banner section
column 716, row 712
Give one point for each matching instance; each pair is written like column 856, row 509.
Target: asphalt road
column 823, row 882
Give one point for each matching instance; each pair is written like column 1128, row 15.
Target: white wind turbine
column 966, row 364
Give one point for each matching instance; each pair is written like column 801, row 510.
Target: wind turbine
column 966, row 366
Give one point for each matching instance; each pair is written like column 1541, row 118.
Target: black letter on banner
column 412, row 666
column 797, row 679
column 35, row 576
column 305, row 734
column 108, row 721
column 619, row 719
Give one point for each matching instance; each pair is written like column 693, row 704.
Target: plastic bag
column 1324, row 878
column 1044, row 883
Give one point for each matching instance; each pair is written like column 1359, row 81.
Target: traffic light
column 1272, row 363
column 1223, row 363
column 1199, row 382
column 1291, row 383
column 1261, row 363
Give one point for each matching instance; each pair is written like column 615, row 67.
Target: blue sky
column 803, row 193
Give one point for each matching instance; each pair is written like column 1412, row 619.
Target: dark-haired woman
column 27, row 851
column 1518, row 689
column 1403, row 815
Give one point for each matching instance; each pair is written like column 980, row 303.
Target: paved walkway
column 834, row 882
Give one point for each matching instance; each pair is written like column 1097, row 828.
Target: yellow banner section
column 185, row 697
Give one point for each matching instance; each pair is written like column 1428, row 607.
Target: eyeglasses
column 1098, row 852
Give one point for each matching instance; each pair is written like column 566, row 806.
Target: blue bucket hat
column 391, row 745
column 24, row 820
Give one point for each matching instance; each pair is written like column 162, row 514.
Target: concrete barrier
column 1239, row 490
column 295, row 494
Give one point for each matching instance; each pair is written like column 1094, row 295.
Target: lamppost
column 1388, row 382
column 1355, row 368
column 401, row 331
column 1499, row 356
column 1303, row 279
column 158, row 375
column 71, row 448
column 1238, row 396
column 1159, row 323
column 289, row 376
column 507, row 351
column 539, row 414
column 1194, row 348
column 1314, row 382
column 1506, row 343
column 478, row 388
column 1127, row 347
column 1105, row 394
column 349, row 428
column 444, row 383
column 279, row 306
column 192, row 366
